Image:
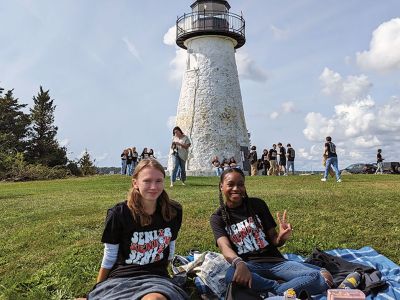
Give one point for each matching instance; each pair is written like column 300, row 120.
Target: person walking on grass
column 180, row 151
column 332, row 160
column 379, row 162
column 139, row 241
column 246, row 234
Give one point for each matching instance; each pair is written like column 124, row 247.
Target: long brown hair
column 134, row 202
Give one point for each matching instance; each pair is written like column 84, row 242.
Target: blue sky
column 308, row 69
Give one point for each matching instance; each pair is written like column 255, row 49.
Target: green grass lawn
column 50, row 230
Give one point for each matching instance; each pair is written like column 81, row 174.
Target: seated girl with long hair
column 139, row 241
column 244, row 230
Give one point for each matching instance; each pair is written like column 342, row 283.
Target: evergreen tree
column 86, row 164
column 43, row 147
column 14, row 124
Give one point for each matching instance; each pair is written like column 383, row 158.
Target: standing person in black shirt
column 282, row 159
column 290, row 154
column 139, row 241
column 265, row 161
column 244, row 230
column 379, row 162
column 273, row 154
column 332, row 160
column 252, row 157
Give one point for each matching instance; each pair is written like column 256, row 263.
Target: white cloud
column 274, row 115
column 132, row 49
column 278, row 33
column 64, row 142
column 248, row 69
column 363, row 122
column 349, row 89
column 367, row 141
column 388, row 117
column 171, row 122
column 170, row 36
column 288, row 107
column 178, row 64
column 384, row 53
column 317, row 126
column 101, row 157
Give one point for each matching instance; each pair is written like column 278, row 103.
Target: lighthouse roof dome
column 210, row 4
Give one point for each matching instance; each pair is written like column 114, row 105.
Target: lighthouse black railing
column 210, row 22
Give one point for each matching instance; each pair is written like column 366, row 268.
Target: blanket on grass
column 369, row 257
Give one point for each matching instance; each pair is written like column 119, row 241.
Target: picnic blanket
column 369, row 257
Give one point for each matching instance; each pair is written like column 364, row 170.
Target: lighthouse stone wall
column 210, row 109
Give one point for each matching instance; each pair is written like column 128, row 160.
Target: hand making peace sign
column 285, row 229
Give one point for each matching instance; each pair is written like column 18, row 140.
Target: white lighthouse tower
column 210, row 109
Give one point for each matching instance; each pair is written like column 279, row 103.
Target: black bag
column 238, row 292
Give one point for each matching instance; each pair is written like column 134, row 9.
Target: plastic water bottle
column 351, row 281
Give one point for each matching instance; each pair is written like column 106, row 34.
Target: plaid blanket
column 368, row 256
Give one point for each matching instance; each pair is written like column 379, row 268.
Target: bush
column 74, row 169
column 16, row 169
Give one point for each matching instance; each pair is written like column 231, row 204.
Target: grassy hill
column 50, row 230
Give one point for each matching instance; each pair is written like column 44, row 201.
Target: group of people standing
column 274, row 162
column 130, row 159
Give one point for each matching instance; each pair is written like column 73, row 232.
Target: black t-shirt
column 249, row 241
column 252, row 156
column 331, row 149
column 379, row 158
column 142, row 250
column 282, row 154
column 291, row 154
column 273, row 154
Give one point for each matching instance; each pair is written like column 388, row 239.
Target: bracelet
column 240, row 261
column 236, row 260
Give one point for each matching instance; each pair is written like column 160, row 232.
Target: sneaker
column 183, row 183
column 339, row 180
column 171, row 185
column 323, row 179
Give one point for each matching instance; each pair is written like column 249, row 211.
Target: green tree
column 43, row 146
column 14, row 124
column 86, row 164
column 14, row 127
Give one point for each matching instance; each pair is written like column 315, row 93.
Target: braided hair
column 224, row 210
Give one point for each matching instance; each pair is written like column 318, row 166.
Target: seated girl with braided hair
column 244, row 230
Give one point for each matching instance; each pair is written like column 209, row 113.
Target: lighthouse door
column 244, row 152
